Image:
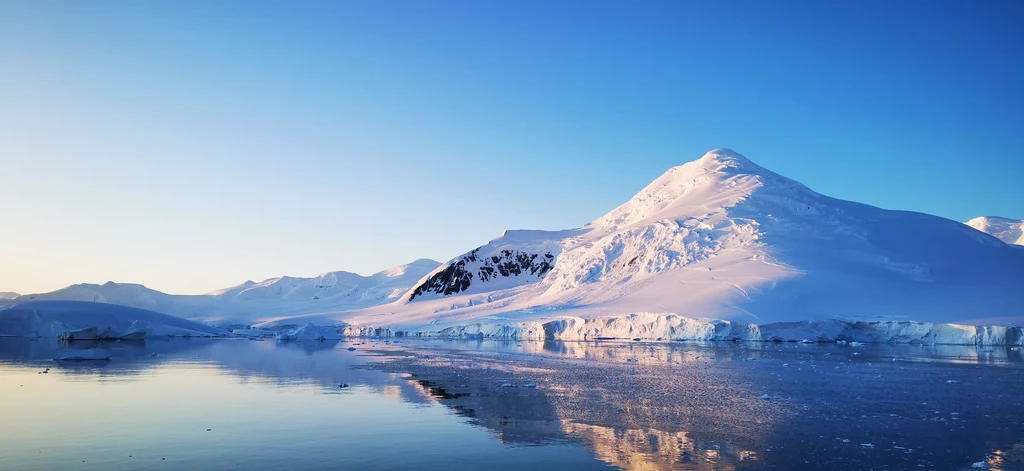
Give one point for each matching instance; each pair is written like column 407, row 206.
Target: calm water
column 234, row 404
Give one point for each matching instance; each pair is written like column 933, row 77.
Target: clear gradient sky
column 191, row 145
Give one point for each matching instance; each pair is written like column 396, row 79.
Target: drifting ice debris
column 867, row 445
column 153, row 354
column 530, row 386
column 507, row 385
column 767, row 397
column 351, row 349
column 343, row 385
column 953, row 381
column 82, row 355
column 980, row 465
column 309, row 332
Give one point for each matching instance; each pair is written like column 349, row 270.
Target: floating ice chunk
column 343, row 385
column 530, row 386
column 980, row 465
column 507, row 385
column 310, row 332
column 867, row 445
column 953, row 381
column 82, row 355
column 767, row 397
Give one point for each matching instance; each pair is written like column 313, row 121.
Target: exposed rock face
column 459, row 274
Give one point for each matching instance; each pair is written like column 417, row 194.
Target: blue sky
column 191, row 145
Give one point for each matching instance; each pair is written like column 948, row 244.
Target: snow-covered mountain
column 8, row 295
column 329, row 292
column 1010, row 231
column 723, row 238
column 717, row 248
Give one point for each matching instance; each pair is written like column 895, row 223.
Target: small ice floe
column 953, row 381
column 154, row 354
column 507, row 385
column 867, row 445
column 343, row 385
column 92, row 354
column 530, row 386
column 980, row 465
column 856, row 344
column 767, row 397
column 351, row 349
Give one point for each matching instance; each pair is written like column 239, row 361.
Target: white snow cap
column 1010, row 231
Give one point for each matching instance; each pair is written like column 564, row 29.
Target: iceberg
column 309, row 332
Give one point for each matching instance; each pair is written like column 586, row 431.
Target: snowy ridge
column 1010, row 231
column 8, row 295
column 328, row 292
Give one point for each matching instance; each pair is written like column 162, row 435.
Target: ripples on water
column 540, row 405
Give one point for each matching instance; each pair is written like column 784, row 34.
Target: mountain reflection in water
column 633, row 405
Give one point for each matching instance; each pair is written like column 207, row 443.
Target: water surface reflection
column 570, row 405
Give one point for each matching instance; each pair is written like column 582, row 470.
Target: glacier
column 671, row 327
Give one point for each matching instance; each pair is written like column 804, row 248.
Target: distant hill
column 329, row 292
column 1010, row 231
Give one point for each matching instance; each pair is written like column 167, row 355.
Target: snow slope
column 723, row 238
column 8, row 295
column 80, row 320
column 329, row 292
column 1007, row 230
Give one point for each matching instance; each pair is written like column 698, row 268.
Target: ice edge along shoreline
column 676, row 328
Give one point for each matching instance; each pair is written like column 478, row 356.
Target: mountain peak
column 721, row 159
column 724, row 155
column 1007, row 230
column 720, row 178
